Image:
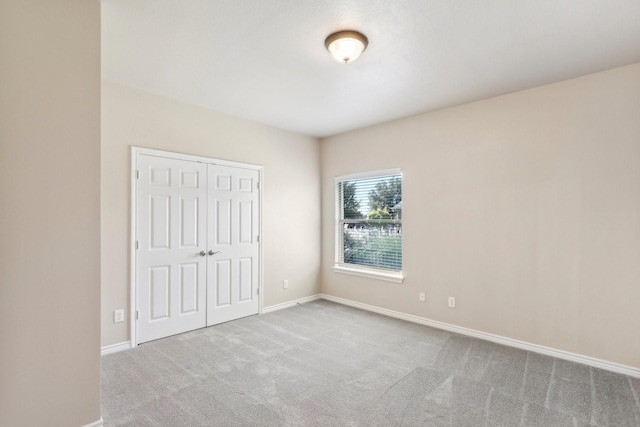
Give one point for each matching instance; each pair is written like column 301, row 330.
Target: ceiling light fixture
column 346, row 46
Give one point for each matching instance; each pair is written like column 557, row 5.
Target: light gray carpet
column 324, row 364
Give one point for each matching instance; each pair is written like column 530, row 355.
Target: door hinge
column 258, row 185
column 258, row 238
column 137, row 245
column 137, row 174
column 257, row 291
column 137, row 314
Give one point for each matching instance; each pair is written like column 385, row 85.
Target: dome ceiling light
column 346, row 46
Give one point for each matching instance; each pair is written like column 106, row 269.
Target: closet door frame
column 135, row 151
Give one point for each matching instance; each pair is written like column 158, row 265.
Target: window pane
column 371, row 198
column 373, row 244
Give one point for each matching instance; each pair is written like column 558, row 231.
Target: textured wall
column 49, row 213
column 291, row 217
column 525, row 207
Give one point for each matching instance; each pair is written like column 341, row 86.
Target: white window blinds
column 369, row 220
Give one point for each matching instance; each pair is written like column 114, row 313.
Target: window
column 369, row 225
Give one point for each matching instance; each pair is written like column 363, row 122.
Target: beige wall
column 525, row 207
column 291, row 217
column 49, row 213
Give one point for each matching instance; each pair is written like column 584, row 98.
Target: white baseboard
column 290, row 303
column 560, row 354
column 98, row 423
column 114, row 348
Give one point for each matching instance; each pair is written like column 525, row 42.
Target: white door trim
column 135, row 151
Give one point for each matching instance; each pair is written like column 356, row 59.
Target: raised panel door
column 171, row 234
column 232, row 282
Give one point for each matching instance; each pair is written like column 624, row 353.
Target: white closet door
column 233, row 269
column 171, row 258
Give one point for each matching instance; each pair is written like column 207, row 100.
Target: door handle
column 213, row 253
column 202, row 253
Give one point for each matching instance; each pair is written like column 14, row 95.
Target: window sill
column 371, row 273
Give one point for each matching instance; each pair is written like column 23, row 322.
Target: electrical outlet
column 452, row 302
column 118, row 316
column 285, row 284
column 423, row 297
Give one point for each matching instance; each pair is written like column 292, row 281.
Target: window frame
column 396, row 276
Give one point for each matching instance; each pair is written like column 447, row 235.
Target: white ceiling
column 265, row 60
